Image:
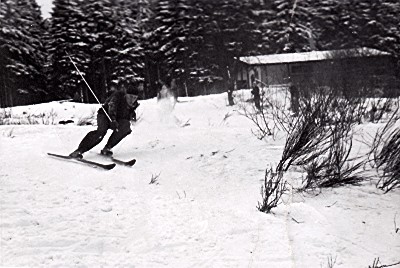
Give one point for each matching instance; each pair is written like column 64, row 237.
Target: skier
column 163, row 91
column 120, row 107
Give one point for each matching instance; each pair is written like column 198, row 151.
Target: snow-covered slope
column 200, row 212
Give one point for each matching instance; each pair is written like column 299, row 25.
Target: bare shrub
column 42, row 118
column 320, row 140
column 154, row 178
column 396, row 229
column 277, row 100
column 310, row 132
column 32, row 119
column 377, row 264
column 49, row 118
column 388, row 160
column 227, row 115
column 385, row 153
column 9, row 133
column 272, row 190
column 306, row 140
column 378, row 107
column 261, row 118
column 331, row 261
column 5, row 116
column 8, row 118
column 334, row 168
column 87, row 120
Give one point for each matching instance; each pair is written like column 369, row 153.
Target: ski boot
column 106, row 151
column 76, row 154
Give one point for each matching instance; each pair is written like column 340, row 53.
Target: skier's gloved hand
column 133, row 116
column 135, row 105
column 114, row 125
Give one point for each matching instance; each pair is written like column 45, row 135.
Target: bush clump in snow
column 5, row 116
column 8, row 118
column 388, row 159
column 320, row 141
column 386, row 153
column 272, row 190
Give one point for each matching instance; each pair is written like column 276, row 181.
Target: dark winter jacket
column 117, row 106
column 256, row 91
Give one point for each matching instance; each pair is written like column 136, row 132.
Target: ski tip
column 131, row 163
column 110, row 166
column 61, row 156
column 124, row 163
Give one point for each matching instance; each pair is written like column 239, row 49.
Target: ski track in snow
column 201, row 212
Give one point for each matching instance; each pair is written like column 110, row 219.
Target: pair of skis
column 97, row 164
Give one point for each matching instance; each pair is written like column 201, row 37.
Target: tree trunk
column 229, row 87
column 230, row 94
column 104, row 87
column 2, row 92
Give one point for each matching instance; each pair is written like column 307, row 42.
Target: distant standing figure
column 256, row 93
column 77, row 97
column 294, row 99
column 174, row 89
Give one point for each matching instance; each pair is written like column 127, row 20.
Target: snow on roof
column 310, row 56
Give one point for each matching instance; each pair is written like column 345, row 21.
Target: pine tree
column 65, row 39
column 174, row 39
column 140, row 14
column 359, row 23
column 101, row 38
column 22, row 53
column 289, row 26
column 381, row 25
column 98, row 27
column 128, row 64
column 229, row 32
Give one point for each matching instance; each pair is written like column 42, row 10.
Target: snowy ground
column 201, row 212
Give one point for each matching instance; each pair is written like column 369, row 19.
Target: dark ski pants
column 257, row 102
column 94, row 137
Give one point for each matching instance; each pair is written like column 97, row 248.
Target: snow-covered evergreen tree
column 140, row 14
column 229, row 32
column 65, row 39
column 175, row 39
column 101, row 37
column 288, row 27
column 99, row 32
column 21, row 53
column 379, row 25
column 128, row 65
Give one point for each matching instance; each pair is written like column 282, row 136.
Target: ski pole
column 261, row 82
column 109, row 118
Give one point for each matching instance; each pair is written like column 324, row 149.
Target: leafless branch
column 272, row 190
column 154, row 178
column 376, row 264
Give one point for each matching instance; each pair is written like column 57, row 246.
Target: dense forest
column 142, row 42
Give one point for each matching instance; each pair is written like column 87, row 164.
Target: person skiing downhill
column 120, row 107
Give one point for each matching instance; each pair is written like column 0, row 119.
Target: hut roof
column 311, row 56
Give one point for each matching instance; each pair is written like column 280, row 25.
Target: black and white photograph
column 200, row 133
